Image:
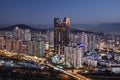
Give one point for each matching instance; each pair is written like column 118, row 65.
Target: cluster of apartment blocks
column 23, row 41
column 89, row 41
column 99, row 41
column 26, row 41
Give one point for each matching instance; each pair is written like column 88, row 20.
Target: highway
column 79, row 77
column 41, row 61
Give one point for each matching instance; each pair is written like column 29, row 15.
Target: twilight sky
column 43, row 11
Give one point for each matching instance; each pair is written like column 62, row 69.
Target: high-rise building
column 41, row 48
column 73, row 56
column 51, row 38
column 17, row 45
column 9, row 45
column 36, row 48
column 31, row 49
column 27, row 35
column 61, row 34
column 14, row 45
column 24, row 48
column 1, row 42
column 18, row 33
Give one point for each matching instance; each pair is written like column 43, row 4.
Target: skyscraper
column 61, row 34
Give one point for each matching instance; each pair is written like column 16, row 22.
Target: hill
column 22, row 26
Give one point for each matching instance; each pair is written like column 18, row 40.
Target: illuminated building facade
column 61, row 34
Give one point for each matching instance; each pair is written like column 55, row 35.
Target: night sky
column 43, row 11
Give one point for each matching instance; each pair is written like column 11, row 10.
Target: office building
column 61, row 34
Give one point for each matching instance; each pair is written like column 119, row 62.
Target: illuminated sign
column 81, row 45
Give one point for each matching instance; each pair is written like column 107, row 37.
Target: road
column 77, row 76
column 36, row 59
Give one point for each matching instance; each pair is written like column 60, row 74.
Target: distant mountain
column 96, row 28
column 74, row 30
column 103, row 27
column 109, row 27
column 22, row 26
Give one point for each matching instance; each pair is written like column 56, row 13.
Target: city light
column 60, row 40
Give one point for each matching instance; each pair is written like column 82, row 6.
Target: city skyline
column 76, row 53
column 43, row 11
column 65, row 39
